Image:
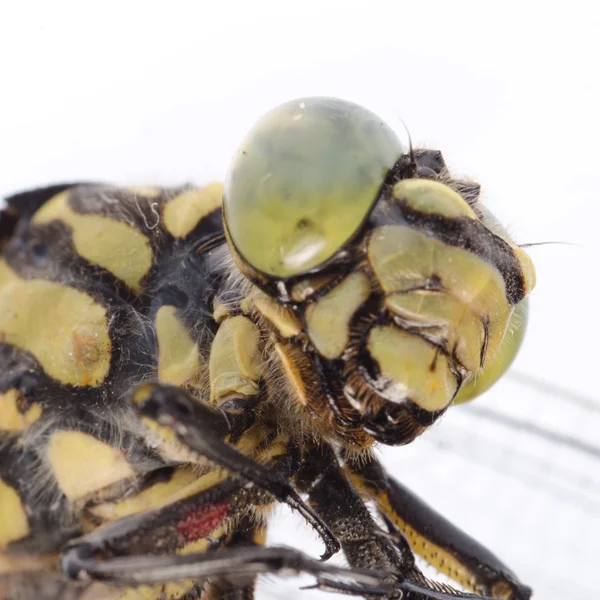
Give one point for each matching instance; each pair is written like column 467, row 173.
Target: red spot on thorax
column 200, row 521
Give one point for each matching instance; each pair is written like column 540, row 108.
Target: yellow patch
column 144, row 592
column 202, row 545
column 220, row 310
column 65, row 329
column 148, row 499
column 328, row 319
column 259, row 536
column 527, row 268
column 284, row 319
column 200, row 484
column 11, row 418
column 292, row 373
column 14, row 524
column 175, row 591
column 115, row 246
column 235, row 360
column 251, row 439
column 182, row 214
column 404, row 259
column 432, row 197
column 278, row 448
column 445, row 317
column 83, row 465
column 305, row 288
column 179, row 362
column 416, row 370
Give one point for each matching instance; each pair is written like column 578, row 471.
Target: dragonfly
column 176, row 362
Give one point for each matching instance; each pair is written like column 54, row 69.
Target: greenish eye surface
column 303, row 181
column 498, row 365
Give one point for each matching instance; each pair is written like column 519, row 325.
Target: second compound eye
column 303, row 181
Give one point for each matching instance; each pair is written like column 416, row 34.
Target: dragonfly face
column 406, row 298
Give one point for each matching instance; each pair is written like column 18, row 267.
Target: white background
column 161, row 92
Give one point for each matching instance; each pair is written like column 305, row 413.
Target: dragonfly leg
column 443, row 545
column 201, row 429
column 365, row 545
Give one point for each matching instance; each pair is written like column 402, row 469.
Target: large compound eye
column 303, row 181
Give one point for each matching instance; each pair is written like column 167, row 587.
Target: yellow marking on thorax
column 277, row 448
column 292, row 373
column 115, row 246
column 329, row 318
column 14, row 524
column 11, row 418
column 284, row 319
column 149, row 498
column 179, row 361
column 200, row 484
column 83, row 465
column 235, row 360
column 251, row 439
column 220, row 310
column 65, row 329
column 182, row 214
column 202, row 545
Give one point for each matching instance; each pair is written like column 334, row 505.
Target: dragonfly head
column 407, row 301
